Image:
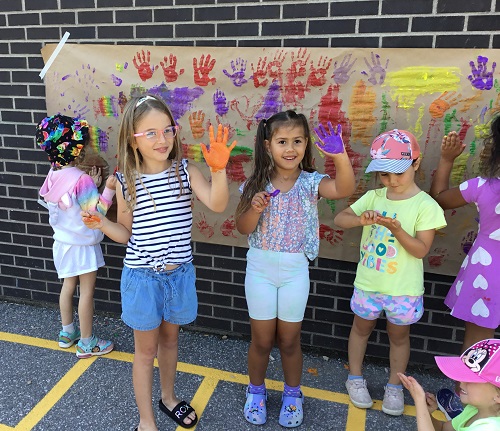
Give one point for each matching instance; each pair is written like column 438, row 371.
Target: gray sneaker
column 358, row 393
column 394, row 402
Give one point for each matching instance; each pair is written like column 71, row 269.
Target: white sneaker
column 358, row 393
column 394, row 402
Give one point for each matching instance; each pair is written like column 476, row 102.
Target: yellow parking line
column 356, row 418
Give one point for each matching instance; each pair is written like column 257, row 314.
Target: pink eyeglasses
column 152, row 135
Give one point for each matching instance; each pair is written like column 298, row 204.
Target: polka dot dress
column 475, row 294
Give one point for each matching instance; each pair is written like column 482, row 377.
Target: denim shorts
column 276, row 285
column 149, row 296
column 399, row 310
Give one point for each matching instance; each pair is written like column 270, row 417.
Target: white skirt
column 71, row 260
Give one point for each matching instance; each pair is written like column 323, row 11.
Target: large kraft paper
column 426, row 91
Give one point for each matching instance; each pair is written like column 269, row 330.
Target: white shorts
column 71, row 260
column 276, row 285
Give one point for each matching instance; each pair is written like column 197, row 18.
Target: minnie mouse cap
column 393, row 151
column 478, row 364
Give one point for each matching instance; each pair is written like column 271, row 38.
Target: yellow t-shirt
column 488, row 424
column 384, row 265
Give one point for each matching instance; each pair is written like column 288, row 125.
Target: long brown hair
column 129, row 158
column 263, row 164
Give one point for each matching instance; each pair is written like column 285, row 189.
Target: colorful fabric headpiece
column 62, row 138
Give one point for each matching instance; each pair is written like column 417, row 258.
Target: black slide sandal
column 179, row 413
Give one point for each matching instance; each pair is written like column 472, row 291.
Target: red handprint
column 294, row 88
column 259, row 74
column 205, row 229
column 228, row 227
column 143, row 65
column 317, row 77
column 202, row 71
column 169, row 71
column 274, row 68
column 329, row 234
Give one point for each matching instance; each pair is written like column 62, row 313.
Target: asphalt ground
column 46, row 388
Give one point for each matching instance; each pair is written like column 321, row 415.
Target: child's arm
column 425, row 404
column 417, row 246
column 347, row 218
column 88, row 196
column 332, row 145
column 451, row 148
column 214, row 195
column 247, row 222
column 120, row 231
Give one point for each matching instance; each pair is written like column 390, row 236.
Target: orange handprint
column 444, row 102
column 202, row 71
column 169, row 71
column 196, row 123
column 143, row 65
column 217, row 155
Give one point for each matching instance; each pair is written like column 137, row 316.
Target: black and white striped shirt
column 161, row 236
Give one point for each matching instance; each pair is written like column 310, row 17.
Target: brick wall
column 26, row 268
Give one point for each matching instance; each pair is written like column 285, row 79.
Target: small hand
column 91, row 219
column 111, row 182
column 416, row 391
column 217, row 155
column 260, row 201
column 330, row 141
column 96, row 176
column 451, row 147
column 392, row 224
column 368, row 217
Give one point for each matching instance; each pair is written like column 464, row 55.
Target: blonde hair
column 129, row 158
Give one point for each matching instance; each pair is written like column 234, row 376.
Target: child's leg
column 167, row 362
column 146, row 345
column 399, row 353
column 263, row 339
column 288, row 338
column 358, row 340
column 66, row 300
column 86, row 303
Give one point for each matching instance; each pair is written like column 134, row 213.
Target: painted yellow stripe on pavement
column 54, row 395
column 202, row 397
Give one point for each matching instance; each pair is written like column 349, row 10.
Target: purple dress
column 474, row 296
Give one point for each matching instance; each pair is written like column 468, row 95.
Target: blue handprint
column 238, row 76
column 220, row 103
column 480, row 78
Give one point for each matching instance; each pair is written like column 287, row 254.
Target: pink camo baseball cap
column 478, row 364
column 393, row 151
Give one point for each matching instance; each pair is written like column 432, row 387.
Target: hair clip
column 143, row 99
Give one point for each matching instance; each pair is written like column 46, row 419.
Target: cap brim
column 389, row 165
column 454, row 368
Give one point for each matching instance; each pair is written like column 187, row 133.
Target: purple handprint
column 330, row 141
column 341, row 73
column 238, row 76
column 220, row 103
column 376, row 69
column 480, row 78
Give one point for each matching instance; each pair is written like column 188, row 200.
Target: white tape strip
column 54, row 54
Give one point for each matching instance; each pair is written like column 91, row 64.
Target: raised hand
column 96, row 176
column 217, row 154
column 111, row 182
column 330, row 142
column 451, row 147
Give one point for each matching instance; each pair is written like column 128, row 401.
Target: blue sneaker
column 67, row 340
column 449, row 403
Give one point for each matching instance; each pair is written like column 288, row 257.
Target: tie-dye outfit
column 388, row 277
column 475, row 295
column 76, row 248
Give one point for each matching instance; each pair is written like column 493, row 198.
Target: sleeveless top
column 161, row 230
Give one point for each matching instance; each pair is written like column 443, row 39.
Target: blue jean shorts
column 149, row 297
column 276, row 285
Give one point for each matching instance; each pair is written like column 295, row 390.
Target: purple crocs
column 292, row 413
column 255, row 408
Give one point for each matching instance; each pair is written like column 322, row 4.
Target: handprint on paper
column 238, row 76
column 333, row 236
column 294, row 88
column 480, row 78
column 220, row 102
column 272, row 103
column 342, row 73
column 196, row 124
column 169, row 70
column 445, row 101
column 202, row 72
column 260, row 73
column 228, row 227
column 205, row 229
column 375, row 69
column 317, row 75
column 274, row 68
column 142, row 62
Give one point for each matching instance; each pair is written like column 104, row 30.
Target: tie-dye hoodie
column 68, row 191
